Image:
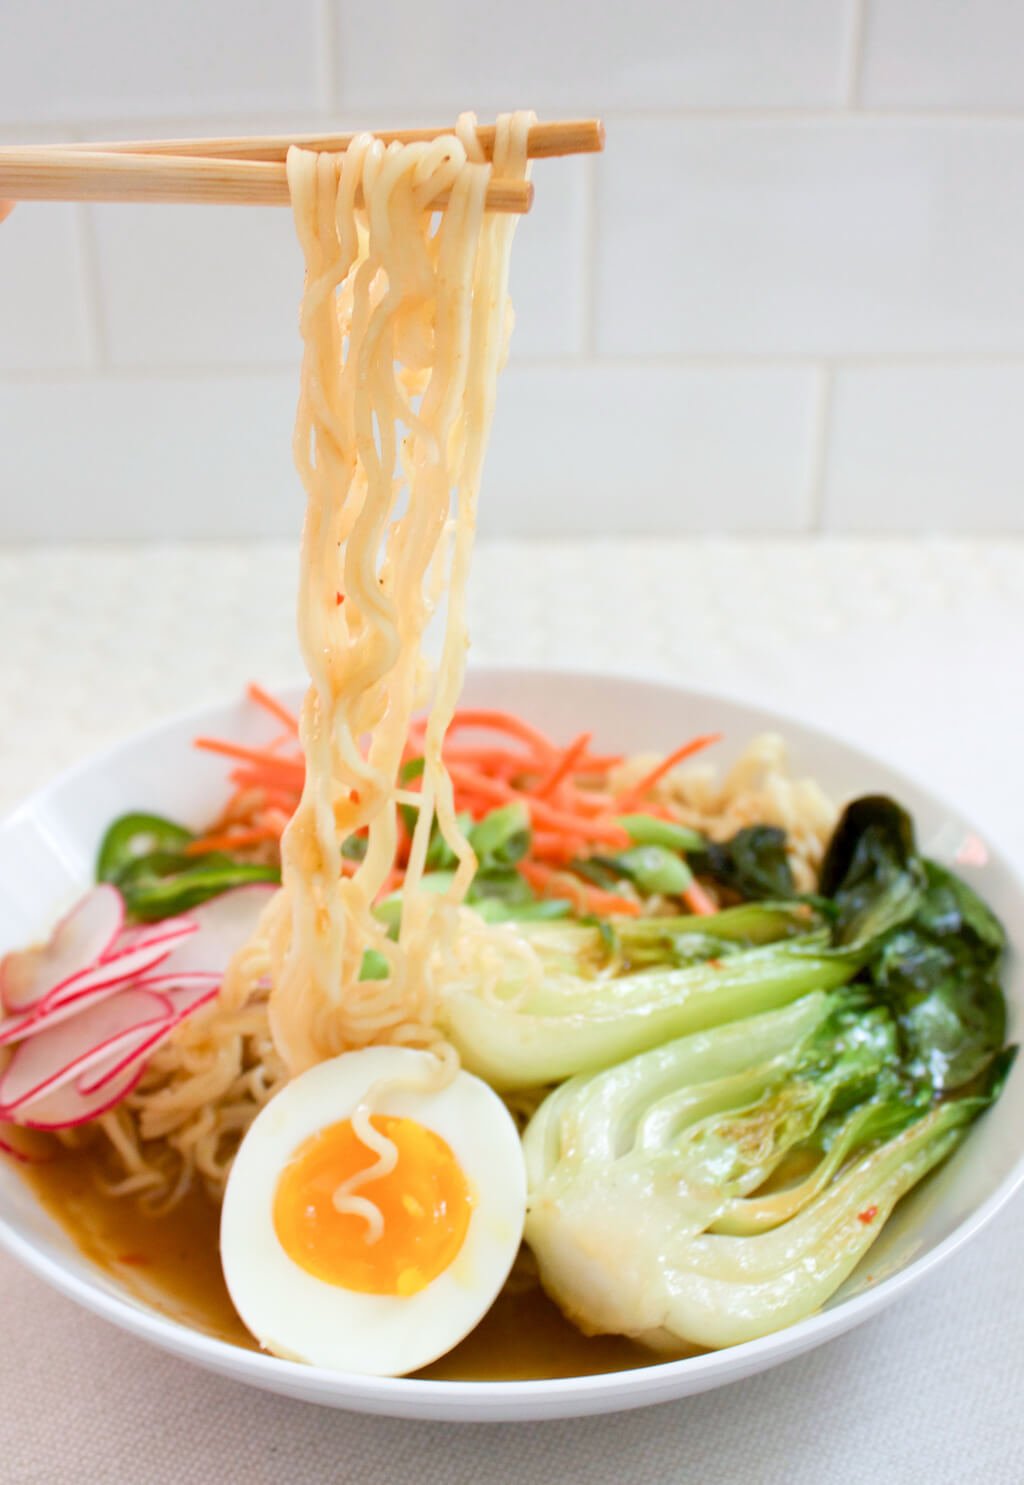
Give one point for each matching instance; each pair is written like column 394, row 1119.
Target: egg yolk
column 425, row 1203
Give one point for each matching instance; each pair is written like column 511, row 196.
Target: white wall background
column 789, row 297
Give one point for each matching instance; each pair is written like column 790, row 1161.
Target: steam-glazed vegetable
column 740, row 1174
column 649, row 1208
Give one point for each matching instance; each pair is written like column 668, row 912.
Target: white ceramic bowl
column 46, row 852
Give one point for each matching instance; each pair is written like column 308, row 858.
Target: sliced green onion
column 503, row 837
column 440, row 855
column 655, row 869
column 545, row 910
column 374, row 966
column 647, row 830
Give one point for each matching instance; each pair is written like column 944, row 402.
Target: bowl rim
column 537, row 1397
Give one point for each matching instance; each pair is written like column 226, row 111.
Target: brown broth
column 172, row 1263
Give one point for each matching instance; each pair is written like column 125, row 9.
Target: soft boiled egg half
column 383, row 1297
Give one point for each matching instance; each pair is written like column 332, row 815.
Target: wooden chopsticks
column 49, row 174
column 545, row 141
column 237, row 171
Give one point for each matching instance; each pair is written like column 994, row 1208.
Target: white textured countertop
column 910, row 648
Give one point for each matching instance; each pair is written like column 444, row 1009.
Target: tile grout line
column 814, row 113
column 853, row 58
column 91, row 287
column 327, row 31
column 587, row 331
column 725, row 361
column 818, row 465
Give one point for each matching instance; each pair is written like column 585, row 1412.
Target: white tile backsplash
column 46, row 328
column 954, row 54
column 797, row 195
column 617, row 449
column 186, row 286
column 620, row 448
column 104, row 58
column 826, row 238
column 548, row 273
column 605, row 55
column 926, row 448
column 198, row 285
column 126, row 459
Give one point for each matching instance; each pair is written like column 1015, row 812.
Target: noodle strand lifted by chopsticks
column 405, row 322
column 405, row 326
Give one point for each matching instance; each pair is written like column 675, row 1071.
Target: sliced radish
column 31, row 1023
column 186, row 991
column 140, row 935
column 135, row 953
column 44, row 1063
column 118, row 969
column 184, row 998
column 128, row 1051
column 13, row 1027
column 189, row 995
column 226, row 923
column 66, row 1106
column 82, row 1043
column 82, row 937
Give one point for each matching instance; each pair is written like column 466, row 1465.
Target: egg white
column 295, row 1315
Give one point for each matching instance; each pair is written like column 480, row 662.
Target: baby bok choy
column 609, row 991
column 723, row 1185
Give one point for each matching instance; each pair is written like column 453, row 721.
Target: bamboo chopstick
column 29, row 173
column 545, row 140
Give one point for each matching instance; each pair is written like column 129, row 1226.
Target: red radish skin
column 100, row 1074
column 118, row 969
column 185, row 992
column 128, row 1052
column 31, row 1023
column 81, row 938
column 148, row 950
column 66, row 1106
column 12, row 1028
column 225, row 925
column 140, row 934
column 45, row 1062
column 82, row 1046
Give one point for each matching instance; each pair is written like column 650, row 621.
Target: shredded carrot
column 563, row 767
column 595, row 763
column 230, row 840
column 586, row 801
column 499, row 760
column 634, row 794
column 553, row 883
column 699, row 901
column 541, row 812
column 286, row 768
column 284, row 799
column 499, row 721
column 252, row 777
column 549, row 845
column 567, row 819
column 276, row 708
